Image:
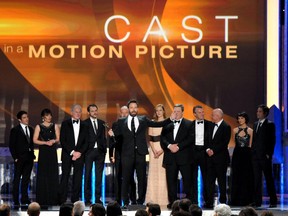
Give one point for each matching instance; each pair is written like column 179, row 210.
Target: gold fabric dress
column 156, row 184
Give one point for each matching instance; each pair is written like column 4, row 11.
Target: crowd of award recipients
column 175, row 144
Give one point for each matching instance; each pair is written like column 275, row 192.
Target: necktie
column 199, row 122
column 95, row 127
column 133, row 125
column 75, row 121
column 26, row 134
column 258, row 126
column 215, row 129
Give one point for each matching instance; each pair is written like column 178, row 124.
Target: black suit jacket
column 100, row 137
column 67, row 139
column 19, row 147
column 207, row 133
column 127, row 136
column 115, row 143
column 219, row 144
column 183, row 138
column 263, row 140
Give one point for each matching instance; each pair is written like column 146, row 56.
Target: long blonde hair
column 155, row 117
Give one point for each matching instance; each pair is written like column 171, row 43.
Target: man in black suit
column 263, row 144
column 115, row 158
column 96, row 153
column 73, row 135
column 22, row 150
column 201, row 137
column 133, row 130
column 218, row 157
column 176, row 141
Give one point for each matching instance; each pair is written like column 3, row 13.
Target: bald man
column 218, row 157
column 33, row 209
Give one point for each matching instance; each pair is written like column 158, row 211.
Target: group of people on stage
column 176, row 145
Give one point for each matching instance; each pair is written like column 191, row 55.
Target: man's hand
column 111, row 133
column 76, row 155
column 210, row 152
column 174, row 148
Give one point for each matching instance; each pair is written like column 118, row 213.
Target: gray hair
column 75, row 106
column 222, row 210
column 78, row 208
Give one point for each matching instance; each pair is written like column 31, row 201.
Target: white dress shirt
column 136, row 121
column 199, row 133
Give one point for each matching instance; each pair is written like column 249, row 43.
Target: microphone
column 106, row 125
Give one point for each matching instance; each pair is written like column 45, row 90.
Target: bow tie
column 176, row 121
column 199, row 122
column 216, row 125
column 75, row 121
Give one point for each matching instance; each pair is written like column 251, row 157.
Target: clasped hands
column 76, row 155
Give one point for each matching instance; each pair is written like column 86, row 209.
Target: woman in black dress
column 242, row 173
column 47, row 135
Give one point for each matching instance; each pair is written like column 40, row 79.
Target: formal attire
column 156, row 184
column 217, row 164
column 134, row 149
column 200, row 141
column 73, row 138
column 263, row 144
column 242, row 171
column 22, row 150
column 181, row 134
column 115, row 148
column 96, row 153
column 47, row 182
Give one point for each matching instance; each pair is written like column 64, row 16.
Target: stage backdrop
column 57, row 53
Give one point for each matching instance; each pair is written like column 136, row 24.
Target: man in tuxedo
column 115, row 157
column 133, row 130
column 218, row 157
column 96, row 153
column 263, row 144
column 73, row 135
column 22, row 150
column 201, row 137
column 176, row 141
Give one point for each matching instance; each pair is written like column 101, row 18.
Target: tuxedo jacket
column 19, row 147
column 219, row 144
column 115, row 143
column 183, row 138
column 128, row 146
column 263, row 140
column 67, row 139
column 99, row 137
column 207, row 133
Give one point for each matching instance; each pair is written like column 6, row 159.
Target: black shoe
column 16, row 206
column 208, row 206
column 124, row 207
column 99, row 201
column 25, row 202
column 272, row 205
column 88, row 203
column 169, row 206
column 255, row 205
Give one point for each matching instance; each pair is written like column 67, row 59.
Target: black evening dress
column 47, row 182
column 242, row 172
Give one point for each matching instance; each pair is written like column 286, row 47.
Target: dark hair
column 21, row 113
column 244, row 115
column 98, row 209
column 66, row 209
column 132, row 101
column 5, row 209
column 113, row 209
column 175, row 207
column 180, row 105
column 153, row 209
column 267, row 213
column 141, row 212
column 91, row 105
column 45, row 112
column 155, row 115
column 265, row 109
column 195, row 210
column 248, row 211
column 197, row 107
column 184, row 204
column 181, row 213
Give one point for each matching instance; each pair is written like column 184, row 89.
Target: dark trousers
column 172, row 178
column 216, row 170
column 135, row 162
column 21, row 168
column 118, row 183
column 94, row 155
column 67, row 163
column 199, row 160
column 264, row 166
